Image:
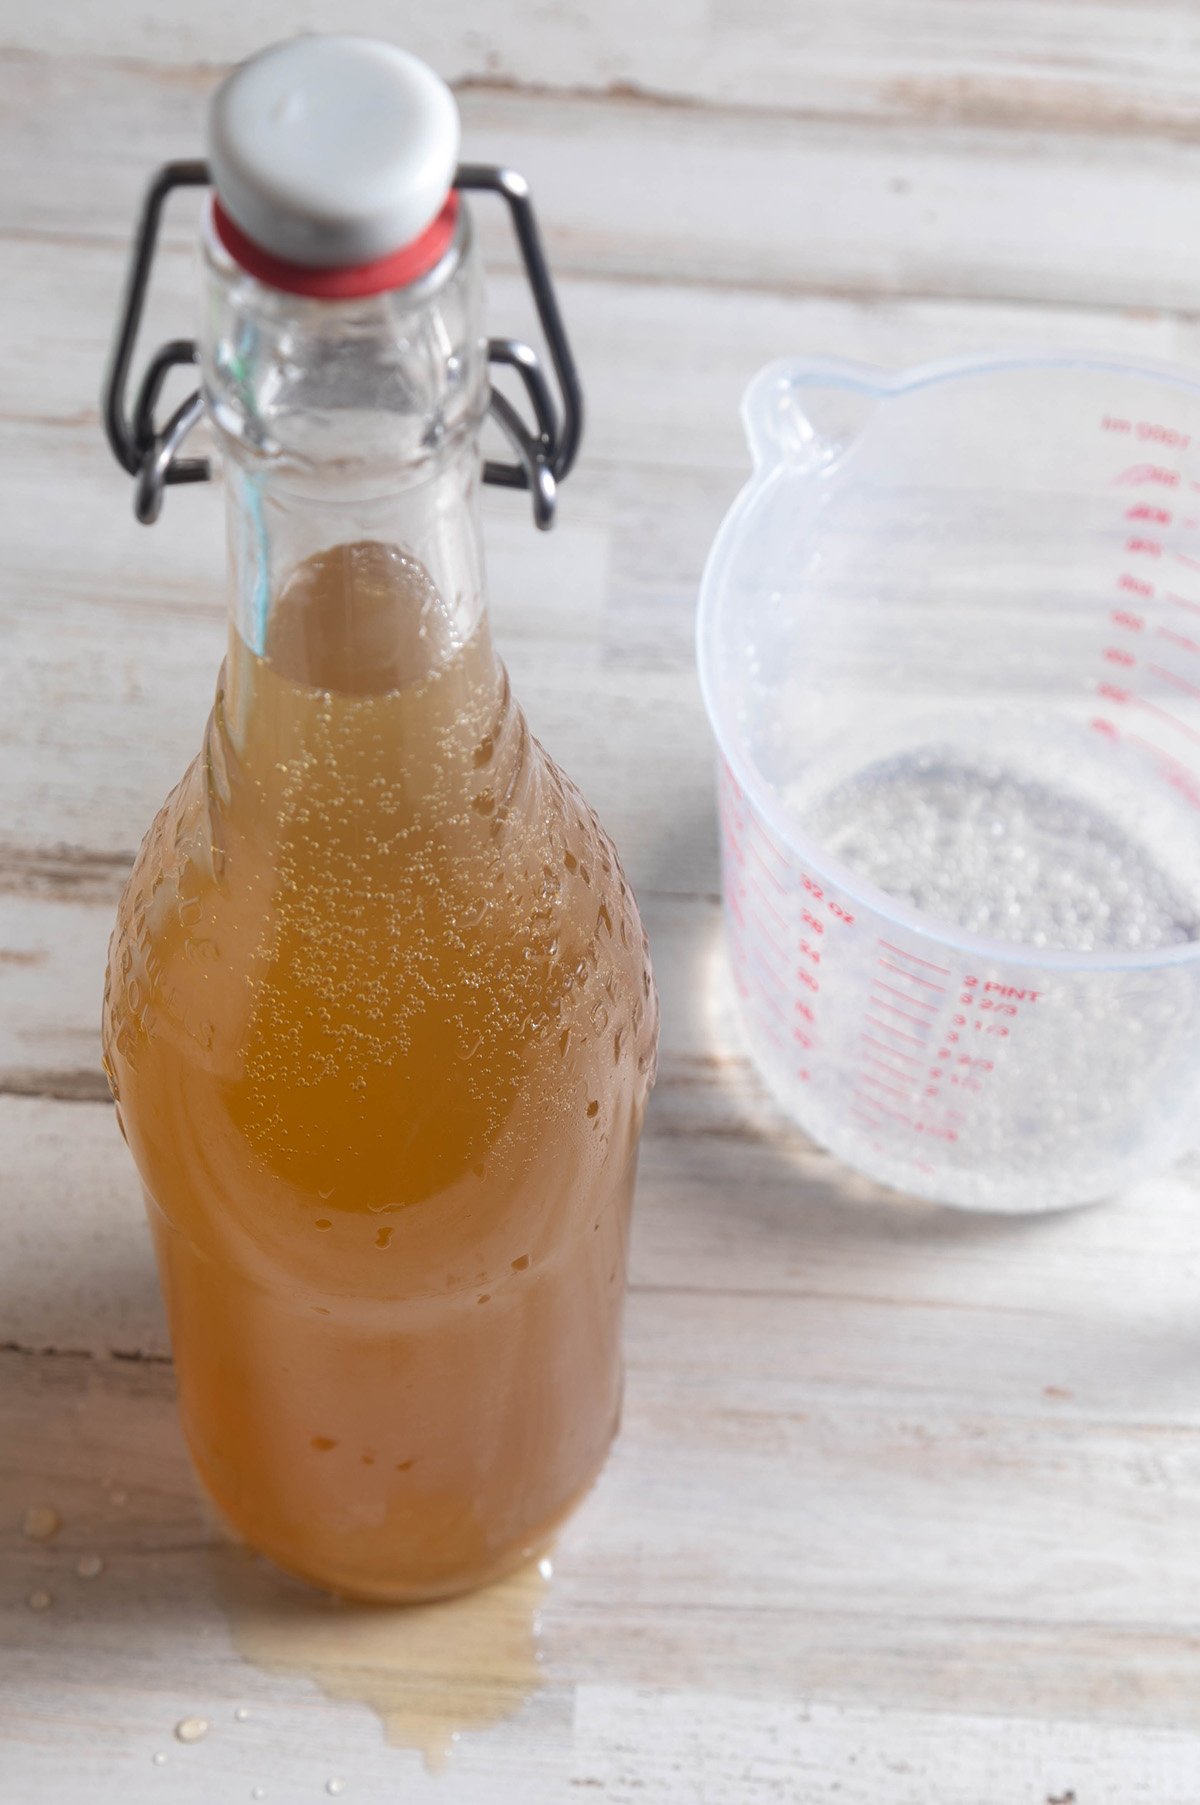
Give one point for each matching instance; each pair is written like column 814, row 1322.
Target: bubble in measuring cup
column 997, row 852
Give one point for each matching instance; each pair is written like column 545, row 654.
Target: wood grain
column 1066, row 64
column 736, row 196
column 903, row 1509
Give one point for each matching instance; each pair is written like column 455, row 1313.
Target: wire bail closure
column 151, row 453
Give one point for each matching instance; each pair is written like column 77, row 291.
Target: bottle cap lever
column 543, row 453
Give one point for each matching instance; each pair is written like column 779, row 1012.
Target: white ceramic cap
column 329, row 151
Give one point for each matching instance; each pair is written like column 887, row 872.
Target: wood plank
column 114, row 633
column 1063, row 63
column 727, row 1608
column 654, row 1747
column 953, row 210
column 903, row 1506
column 732, row 1200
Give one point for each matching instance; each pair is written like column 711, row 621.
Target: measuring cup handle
column 808, row 413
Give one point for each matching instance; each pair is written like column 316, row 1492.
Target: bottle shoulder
column 488, row 937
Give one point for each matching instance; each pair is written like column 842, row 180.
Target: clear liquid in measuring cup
column 990, row 849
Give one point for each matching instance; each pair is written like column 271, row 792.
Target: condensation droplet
column 384, row 1237
column 89, row 1566
column 335, row 1786
column 258, row 1792
column 323, row 1443
column 520, row 1263
column 158, row 1758
column 40, row 1600
column 593, row 1110
column 118, row 1498
column 322, row 1222
column 40, row 1522
column 191, row 1729
column 242, row 1714
column 546, row 1567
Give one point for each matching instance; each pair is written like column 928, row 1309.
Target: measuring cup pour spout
column 809, row 413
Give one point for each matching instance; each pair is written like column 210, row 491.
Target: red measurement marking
column 913, row 977
column 1145, row 548
column 869, row 1078
column 918, row 1021
column 1177, row 774
column 917, row 960
column 1114, row 655
column 1192, row 689
column 878, row 984
column 870, row 1059
column 1181, row 601
column 1122, row 617
column 895, row 1052
column 888, row 1029
column 1143, row 510
column 1151, row 473
column 1179, row 639
column 1100, row 725
column 1186, row 558
column 1112, row 692
column 1135, row 585
column 1166, row 715
column 769, row 906
column 897, row 1115
column 780, row 952
column 765, row 868
column 773, row 1001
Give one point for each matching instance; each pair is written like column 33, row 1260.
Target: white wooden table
column 906, row 1510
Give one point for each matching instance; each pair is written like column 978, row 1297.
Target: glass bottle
column 379, row 1018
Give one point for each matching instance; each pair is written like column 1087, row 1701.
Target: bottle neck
column 352, row 470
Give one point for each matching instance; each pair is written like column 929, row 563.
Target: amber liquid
column 381, row 1026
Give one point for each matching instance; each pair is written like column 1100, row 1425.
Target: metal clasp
column 544, row 453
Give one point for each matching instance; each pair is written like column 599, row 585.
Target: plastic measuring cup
column 949, row 641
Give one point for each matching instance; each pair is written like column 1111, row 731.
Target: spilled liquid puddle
column 429, row 1671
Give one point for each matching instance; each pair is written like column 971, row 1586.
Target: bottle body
column 381, row 1027
column 379, row 1019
